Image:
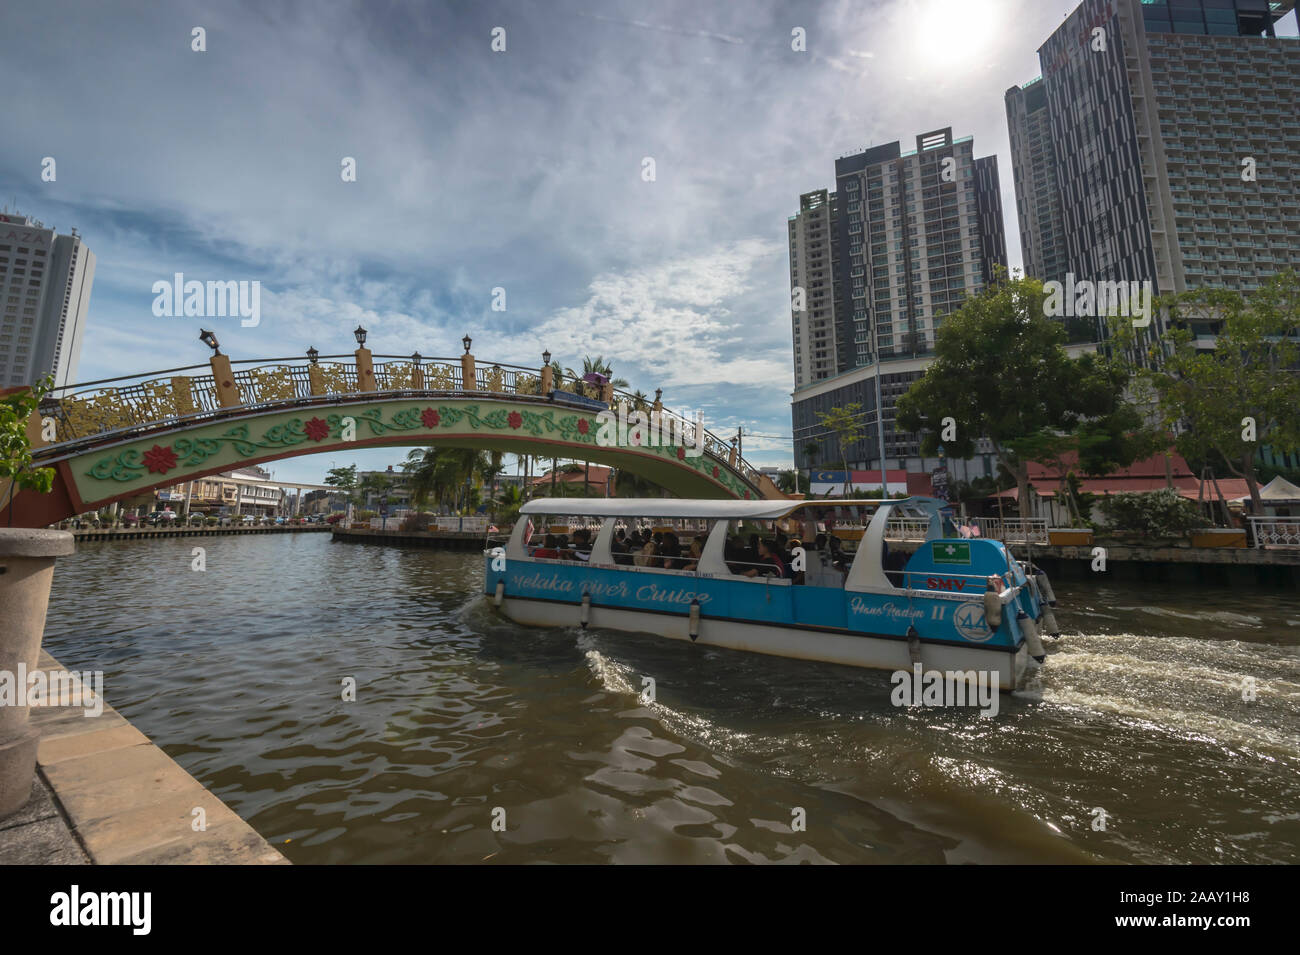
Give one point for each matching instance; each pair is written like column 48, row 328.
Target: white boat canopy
column 765, row 510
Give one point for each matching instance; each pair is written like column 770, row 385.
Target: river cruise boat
column 786, row 578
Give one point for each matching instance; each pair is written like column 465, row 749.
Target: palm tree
column 443, row 472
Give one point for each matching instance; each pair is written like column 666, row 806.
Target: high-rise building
column 45, row 281
column 913, row 234
column 812, row 285
column 1175, row 135
column 1038, row 197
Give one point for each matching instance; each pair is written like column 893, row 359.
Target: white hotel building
column 45, row 281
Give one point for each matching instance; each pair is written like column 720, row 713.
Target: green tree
column 16, row 469
column 846, row 424
column 1245, row 392
column 345, row 480
column 793, row 482
column 1001, row 372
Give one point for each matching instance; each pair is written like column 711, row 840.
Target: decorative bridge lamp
column 315, row 377
column 417, row 371
column 365, row 366
column 548, row 373
column 468, row 381
column 222, row 376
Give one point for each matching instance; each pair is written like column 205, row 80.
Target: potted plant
column 27, row 557
column 1151, row 518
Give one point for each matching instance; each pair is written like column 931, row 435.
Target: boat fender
column 694, row 628
column 585, row 615
column 1045, row 586
column 913, row 645
column 993, row 605
column 1050, row 626
column 1032, row 641
column 501, row 593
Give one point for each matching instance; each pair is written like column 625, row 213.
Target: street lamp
column 360, row 334
column 415, row 358
column 312, row 354
column 546, row 357
column 659, row 394
column 466, row 341
column 210, row 340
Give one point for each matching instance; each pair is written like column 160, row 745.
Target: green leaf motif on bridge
column 193, row 452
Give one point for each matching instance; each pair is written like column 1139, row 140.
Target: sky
column 477, row 169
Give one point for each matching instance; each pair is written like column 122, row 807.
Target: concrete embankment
column 444, row 540
column 104, row 794
column 148, row 533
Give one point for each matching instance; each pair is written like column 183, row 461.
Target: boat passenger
column 647, row 557
column 549, row 549
column 671, row 549
column 697, row 549
column 774, row 566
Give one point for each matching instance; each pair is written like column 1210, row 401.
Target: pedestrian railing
column 1275, row 531
column 1013, row 530
column 908, row 529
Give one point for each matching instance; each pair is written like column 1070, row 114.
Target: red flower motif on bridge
column 515, row 420
column 316, row 429
column 430, row 418
column 747, row 495
column 583, row 426
column 681, row 453
column 715, row 470
column 160, row 460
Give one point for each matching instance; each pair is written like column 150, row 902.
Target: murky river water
column 236, row 672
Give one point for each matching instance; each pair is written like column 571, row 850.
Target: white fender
column 992, row 609
column 501, row 593
column 1050, row 626
column 1032, row 641
column 585, row 614
column 694, row 627
column 1046, row 586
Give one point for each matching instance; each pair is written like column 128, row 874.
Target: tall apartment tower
column 1038, row 196
column 1175, row 129
column 45, row 281
column 812, row 287
column 915, row 233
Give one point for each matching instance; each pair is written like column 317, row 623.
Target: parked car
column 248, row 519
column 161, row 517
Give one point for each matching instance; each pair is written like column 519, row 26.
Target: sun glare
column 956, row 34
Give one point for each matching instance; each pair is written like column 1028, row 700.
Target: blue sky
column 478, row 169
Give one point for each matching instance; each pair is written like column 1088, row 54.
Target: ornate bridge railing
column 114, row 408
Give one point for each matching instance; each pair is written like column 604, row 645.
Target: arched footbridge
column 114, row 439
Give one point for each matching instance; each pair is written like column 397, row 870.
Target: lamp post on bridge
column 222, row 377
column 365, row 365
column 468, row 382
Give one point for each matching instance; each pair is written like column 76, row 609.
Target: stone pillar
column 27, row 557
column 365, row 370
column 34, row 436
column 224, row 379
column 548, row 380
column 731, row 455
column 417, row 376
column 468, row 381
column 316, row 378
column 607, row 392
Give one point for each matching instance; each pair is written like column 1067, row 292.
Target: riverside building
column 45, row 281
column 902, row 240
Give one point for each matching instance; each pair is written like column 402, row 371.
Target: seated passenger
column 671, row 549
column 549, row 549
column 697, row 549
column 648, row 555
column 773, row 565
